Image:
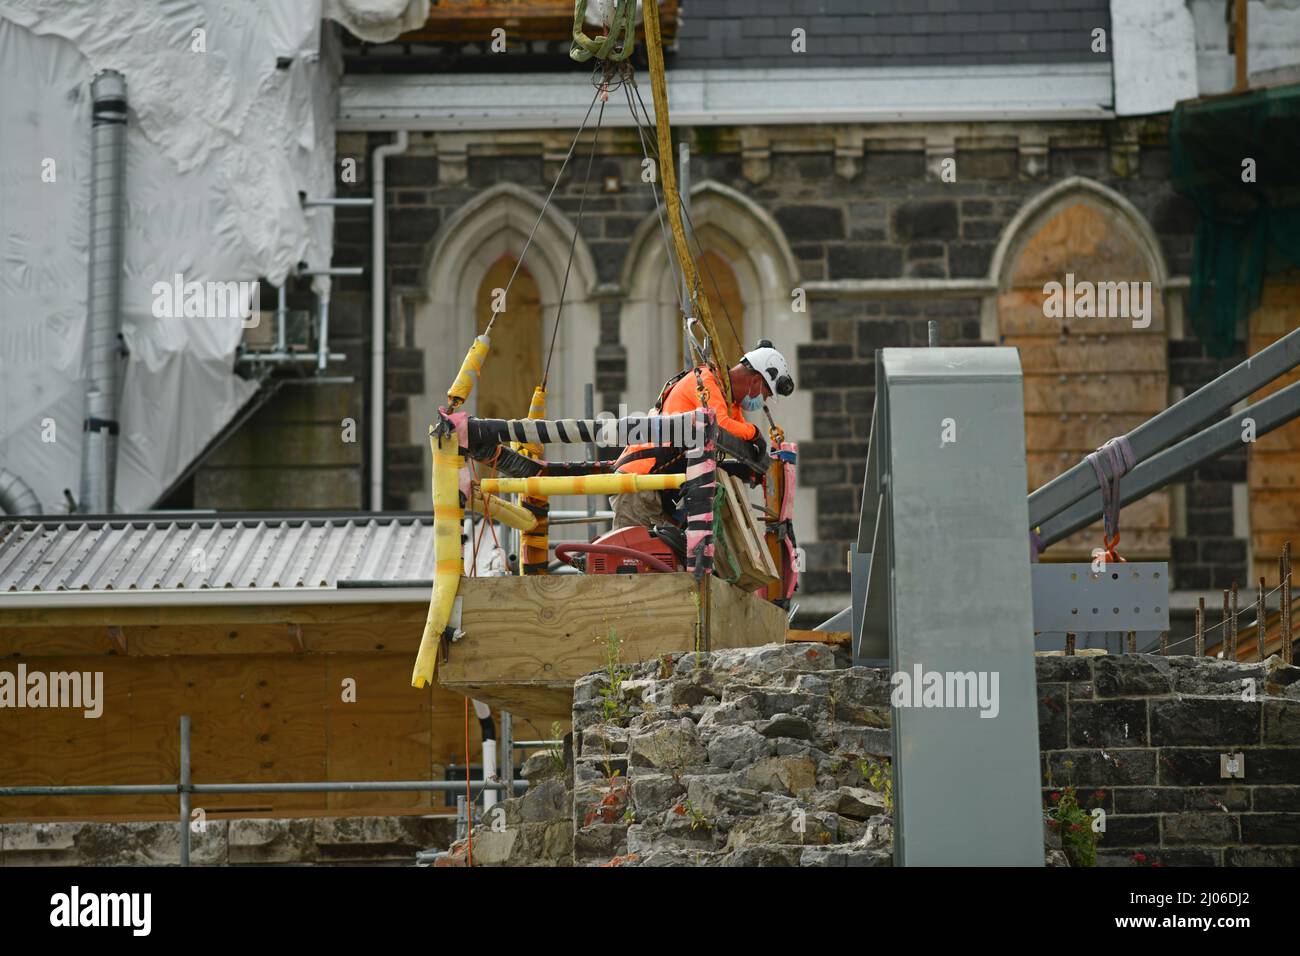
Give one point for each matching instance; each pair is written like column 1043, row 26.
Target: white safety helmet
column 770, row 364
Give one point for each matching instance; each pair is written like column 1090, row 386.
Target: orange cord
column 469, row 803
column 1110, row 543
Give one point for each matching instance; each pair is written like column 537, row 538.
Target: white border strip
column 498, row 101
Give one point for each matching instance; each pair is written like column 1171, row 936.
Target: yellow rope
column 664, row 136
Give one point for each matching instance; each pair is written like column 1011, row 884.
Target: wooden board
column 469, row 21
column 514, row 367
column 1020, row 312
column 794, row 636
column 1273, row 465
column 218, row 629
column 1076, row 433
column 1136, row 352
column 528, row 638
column 744, row 539
column 258, row 718
column 1129, row 393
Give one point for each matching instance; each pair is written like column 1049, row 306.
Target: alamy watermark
column 178, row 299
column 75, row 909
column 1098, row 300
column 955, row 689
column 73, row 689
column 646, row 428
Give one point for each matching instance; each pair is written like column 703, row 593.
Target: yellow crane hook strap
column 664, row 138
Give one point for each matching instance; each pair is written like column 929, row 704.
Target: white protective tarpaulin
column 221, row 141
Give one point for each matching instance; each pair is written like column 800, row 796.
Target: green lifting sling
column 615, row 46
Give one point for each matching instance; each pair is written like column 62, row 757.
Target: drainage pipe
column 377, row 322
column 16, row 496
column 104, row 300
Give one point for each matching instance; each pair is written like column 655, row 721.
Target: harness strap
column 1119, row 454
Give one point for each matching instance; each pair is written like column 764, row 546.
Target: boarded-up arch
column 1088, row 377
column 493, row 228
column 754, row 275
column 517, row 351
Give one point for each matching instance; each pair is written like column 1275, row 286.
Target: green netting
column 1247, row 229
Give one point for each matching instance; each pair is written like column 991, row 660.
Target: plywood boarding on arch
column 1273, row 468
column 514, row 366
column 1087, row 379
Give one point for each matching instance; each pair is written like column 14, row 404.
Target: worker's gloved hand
column 759, row 444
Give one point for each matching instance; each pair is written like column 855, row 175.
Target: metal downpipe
column 378, row 325
column 104, row 299
column 16, row 496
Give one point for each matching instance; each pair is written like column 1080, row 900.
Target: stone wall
column 281, row 840
column 778, row 756
column 748, row 757
column 1141, row 736
column 772, row 756
column 533, row 829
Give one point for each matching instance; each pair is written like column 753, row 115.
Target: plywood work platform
column 527, row 639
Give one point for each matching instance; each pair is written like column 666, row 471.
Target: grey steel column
column 952, row 583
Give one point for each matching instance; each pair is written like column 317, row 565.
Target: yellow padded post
column 448, row 563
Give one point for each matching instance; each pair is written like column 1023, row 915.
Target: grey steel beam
column 1189, row 414
column 1170, row 464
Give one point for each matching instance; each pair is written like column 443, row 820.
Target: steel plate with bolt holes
column 1126, row 596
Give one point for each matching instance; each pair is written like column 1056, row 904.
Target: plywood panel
column 1083, row 238
column 264, row 718
column 385, row 708
column 744, row 538
column 1021, row 312
column 1087, row 379
column 1131, row 353
column 539, row 628
column 224, row 613
column 718, row 280
column 528, row 638
column 1129, row 393
column 51, row 641
column 392, row 628
column 1269, row 469
column 738, row 618
column 1077, row 432
column 1273, row 469
column 514, row 367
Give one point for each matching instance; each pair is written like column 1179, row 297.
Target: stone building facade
column 880, row 244
column 873, row 226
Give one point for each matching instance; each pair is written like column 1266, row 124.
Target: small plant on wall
column 878, row 774
column 612, row 692
column 1066, row 816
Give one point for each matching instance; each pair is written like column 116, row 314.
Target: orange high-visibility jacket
column 654, row 459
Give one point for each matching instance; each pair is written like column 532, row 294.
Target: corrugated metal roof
column 258, row 553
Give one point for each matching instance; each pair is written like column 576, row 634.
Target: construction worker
column 760, row 373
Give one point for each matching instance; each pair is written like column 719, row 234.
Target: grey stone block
column 1205, row 721
column 1131, row 675
column 1212, row 829
column 1108, row 723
